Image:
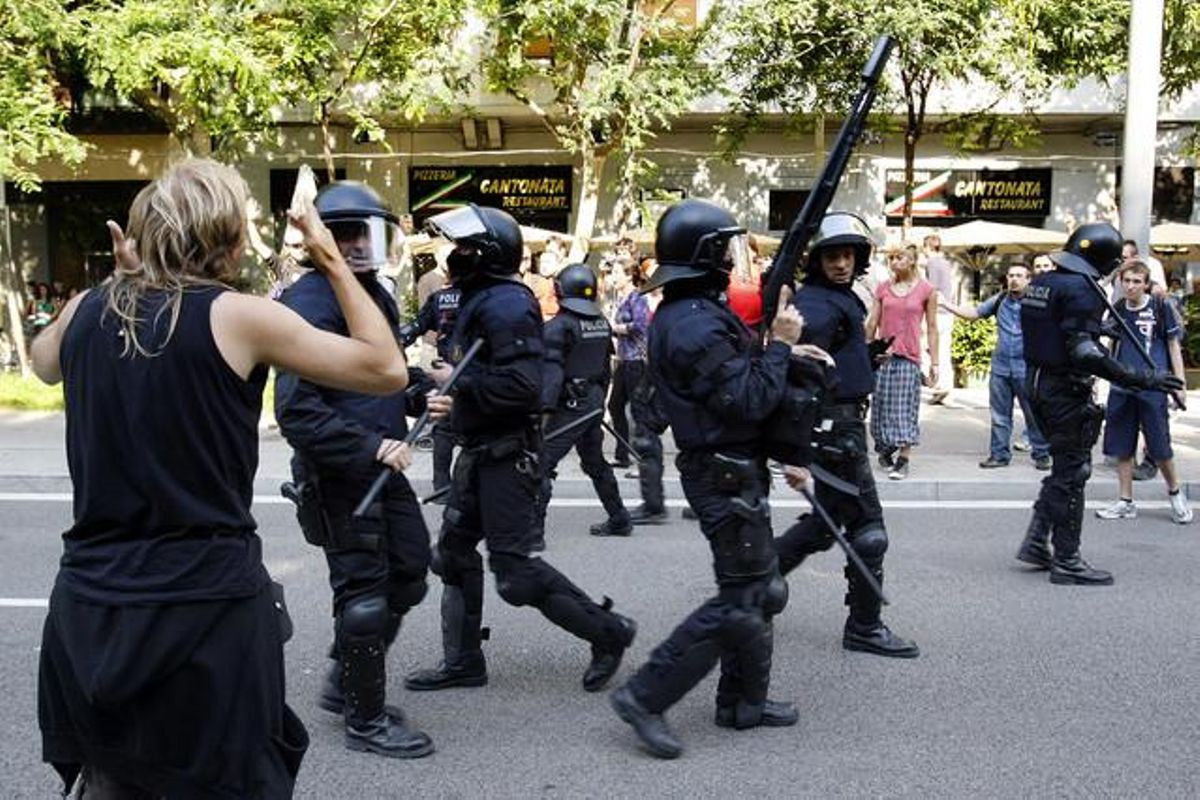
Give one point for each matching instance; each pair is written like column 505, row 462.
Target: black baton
column 621, row 440
column 838, row 537
column 418, row 427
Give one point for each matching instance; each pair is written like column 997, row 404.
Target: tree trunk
column 11, row 286
column 910, row 157
column 623, row 208
column 591, row 168
column 327, row 146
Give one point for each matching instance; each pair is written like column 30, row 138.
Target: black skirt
column 183, row 700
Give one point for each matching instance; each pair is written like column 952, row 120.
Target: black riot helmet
column 363, row 227
column 693, row 241
column 487, row 241
column 1093, row 250
column 575, row 288
column 839, row 228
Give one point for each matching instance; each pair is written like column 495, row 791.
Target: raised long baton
column 554, row 434
column 417, row 429
column 838, row 537
column 621, row 440
column 1133, row 340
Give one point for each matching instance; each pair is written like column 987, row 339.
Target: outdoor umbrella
column 998, row 238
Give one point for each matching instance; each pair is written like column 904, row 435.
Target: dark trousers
column 626, row 376
column 588, row 441
column 443, row 455
column 732, row 629
column 492, row 500
column 861, row 517
column 1065, row 412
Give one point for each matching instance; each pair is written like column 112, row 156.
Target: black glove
column 1158, row 381
column 877, row 348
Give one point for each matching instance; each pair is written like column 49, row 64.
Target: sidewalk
column 944, row 467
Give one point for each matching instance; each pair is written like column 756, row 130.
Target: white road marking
column 24, row 602
column 589, row 502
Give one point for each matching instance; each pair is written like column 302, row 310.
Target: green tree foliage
column 31, row 123
column 370, row 61
column 196, row 67
column 602, row 75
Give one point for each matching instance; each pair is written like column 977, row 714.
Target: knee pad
column 871, row 543
column 407, row 594
column 517, row 579
column 364, row 617
column 775, row 595
column 740, row 626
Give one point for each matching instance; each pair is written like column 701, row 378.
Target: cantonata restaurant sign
column 534, row 195
column 971, row 194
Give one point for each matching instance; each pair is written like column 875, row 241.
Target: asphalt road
column 1023, row 689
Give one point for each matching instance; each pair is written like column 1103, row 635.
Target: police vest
column 1055, row 306
column 589, row 343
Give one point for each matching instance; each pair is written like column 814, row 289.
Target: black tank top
column 162, row 451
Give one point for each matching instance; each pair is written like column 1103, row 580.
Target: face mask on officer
column 461, row 262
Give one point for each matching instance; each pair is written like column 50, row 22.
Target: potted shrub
column 971, row 347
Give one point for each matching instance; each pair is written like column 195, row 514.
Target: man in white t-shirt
column 940, row 272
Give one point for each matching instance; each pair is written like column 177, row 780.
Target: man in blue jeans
column 1008, row 372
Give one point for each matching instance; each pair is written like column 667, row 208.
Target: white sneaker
column 1122, row 509
column 1181, row 512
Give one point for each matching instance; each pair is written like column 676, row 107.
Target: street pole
column 1141, row 121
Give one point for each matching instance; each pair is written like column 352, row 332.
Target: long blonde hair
column 189, row 227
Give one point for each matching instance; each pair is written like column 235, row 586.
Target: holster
column 742, row 545
column 839, row 437
column 310, row 511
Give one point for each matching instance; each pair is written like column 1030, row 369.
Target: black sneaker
column 1042, row 464
column 688, row 513
column 1145, row 471
column 991, row 462
column 885, row 459
column 652, row 729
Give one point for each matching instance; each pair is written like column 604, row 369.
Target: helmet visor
column 457, row 224
column 367, row 243
column 720, row 248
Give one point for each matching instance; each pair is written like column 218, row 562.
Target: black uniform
column 716, row 393
column 833, row 320
column 377, row 563
column 438, row 314
column 494, row 488
column 576, row 378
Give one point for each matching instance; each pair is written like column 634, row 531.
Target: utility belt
column 1058, row 378
column 334, row 531
column 849, row 410
column 577, row 392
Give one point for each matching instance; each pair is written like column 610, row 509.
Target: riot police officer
column 438, row 314
column 717, row 391
column 496, row 414
column 377, row 563
column 575, row 383
column 833, row 320
column 1061, row 314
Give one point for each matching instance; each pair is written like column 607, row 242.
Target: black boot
column 1035, row 549
column 651, row 728
column 463, row 663
column 613, row 526
column 645, row 515
column 1072, row 570
column 607, row 658
column 771, row 714
column 369, row 728
column 865, row 631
